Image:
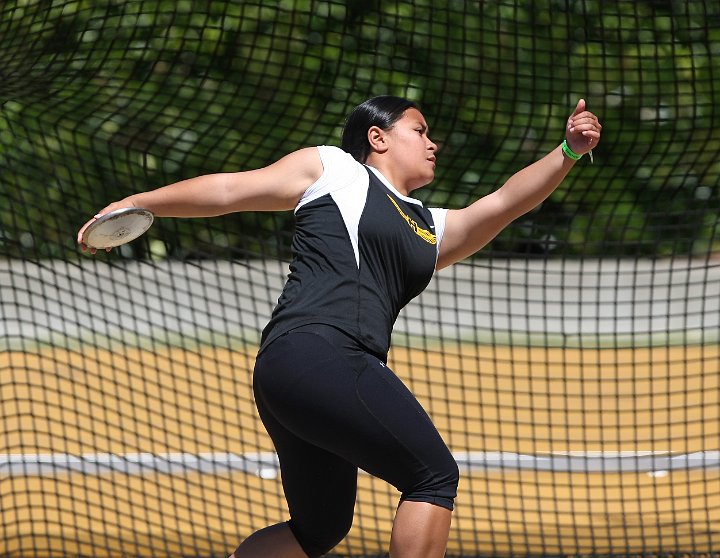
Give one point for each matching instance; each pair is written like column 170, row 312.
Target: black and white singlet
column 361, row 252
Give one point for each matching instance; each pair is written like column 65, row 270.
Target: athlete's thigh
column 402, row 445
column 337, row 397
column 319, row 483
column 309, row 387
column 319, row 486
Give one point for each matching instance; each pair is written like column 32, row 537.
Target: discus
column 117, row 227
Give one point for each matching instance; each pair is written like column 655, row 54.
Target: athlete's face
column 412, row 151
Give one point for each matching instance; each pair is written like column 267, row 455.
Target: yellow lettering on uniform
column 426, row 235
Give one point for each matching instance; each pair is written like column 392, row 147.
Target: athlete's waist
column 337, row 334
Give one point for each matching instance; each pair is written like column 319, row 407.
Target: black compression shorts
column 330, row 407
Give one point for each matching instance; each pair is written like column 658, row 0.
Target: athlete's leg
column 320, row 492
column 424, row 470
column 402, row 444
column 319, row 485
column 276, row 541
column 393, row 438
column 420, row 530
column 343, row 401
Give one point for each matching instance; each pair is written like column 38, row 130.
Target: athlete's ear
column 376, row 139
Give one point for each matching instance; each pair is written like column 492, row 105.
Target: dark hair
column 382, row 111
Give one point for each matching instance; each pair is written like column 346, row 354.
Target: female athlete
column 363, row 248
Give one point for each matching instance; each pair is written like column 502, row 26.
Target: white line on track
column 265, row 464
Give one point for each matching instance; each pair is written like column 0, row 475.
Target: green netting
column 572, row 366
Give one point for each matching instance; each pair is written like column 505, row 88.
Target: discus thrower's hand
column 583, row 129
column 107, row 209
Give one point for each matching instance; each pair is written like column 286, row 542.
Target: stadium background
column 572, row 366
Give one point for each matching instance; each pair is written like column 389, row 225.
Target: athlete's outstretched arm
column 276, row 187
column 468, row 230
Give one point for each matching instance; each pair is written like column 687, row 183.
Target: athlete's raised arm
column 468, row 230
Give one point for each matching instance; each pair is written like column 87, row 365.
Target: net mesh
column 573, row 366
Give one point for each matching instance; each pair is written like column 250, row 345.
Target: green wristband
column 569, row 152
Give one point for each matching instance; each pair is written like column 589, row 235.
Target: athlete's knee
column 322, row 534
column 451, row 475
column 438, row 484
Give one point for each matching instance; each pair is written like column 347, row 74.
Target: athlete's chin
column 425, row 180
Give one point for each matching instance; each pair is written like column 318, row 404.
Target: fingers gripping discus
column 117, row 227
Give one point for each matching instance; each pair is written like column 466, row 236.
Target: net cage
column 572, row 366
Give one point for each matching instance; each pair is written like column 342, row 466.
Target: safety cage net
column 572, row 366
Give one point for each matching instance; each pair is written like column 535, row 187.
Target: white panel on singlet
column 347, row 182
